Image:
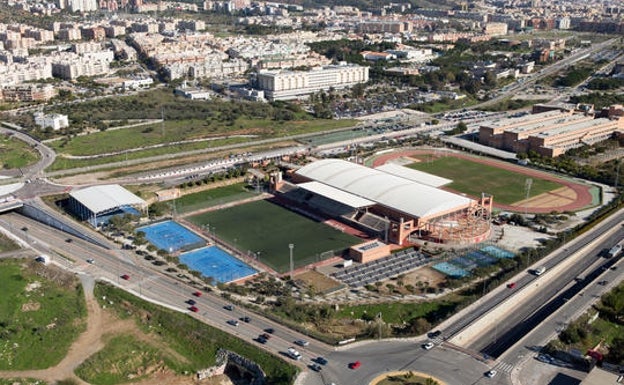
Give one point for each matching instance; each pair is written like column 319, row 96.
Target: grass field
column 175, row 131
column 40, row 318
column 21, row 381
column 123, row 358
column 265, row 228
column 474, row 178
column 193, row 342
column 7, row 244
column 213, row 197
column 15, row 153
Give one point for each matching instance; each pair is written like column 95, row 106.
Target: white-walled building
column 55, row 121
column 287, row 85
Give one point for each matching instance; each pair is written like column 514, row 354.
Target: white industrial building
column 98, row 203
column 287, row 85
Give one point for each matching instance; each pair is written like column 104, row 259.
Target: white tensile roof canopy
column 335, row 194
column 104, row 198
column 404, row 195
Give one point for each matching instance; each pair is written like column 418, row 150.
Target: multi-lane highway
column 446, row 362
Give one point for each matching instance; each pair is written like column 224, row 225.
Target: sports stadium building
column 98, row 203
column 392, row 202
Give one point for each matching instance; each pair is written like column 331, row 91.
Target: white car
column 428, row 346
column 294, row 354
column 491, row 373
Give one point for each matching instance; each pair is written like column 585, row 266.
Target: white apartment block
column 71, row 66
column 208, row 68
column 495, row 29
column 288, row 85
column 83, row 5
column 18, row 73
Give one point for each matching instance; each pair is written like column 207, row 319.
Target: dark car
column 316, row 367
column 269, row 330
column 191, row 302
column 245, row 319
column 321, row 360
column 435, row 334
column 126, row 277
column 511, row 285
column 228, row 307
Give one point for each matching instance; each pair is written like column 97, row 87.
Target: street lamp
column 290, row 247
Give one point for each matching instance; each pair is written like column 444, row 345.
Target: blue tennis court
column 480, row 259
column 497, row 252
column 172, row 236
column 216, row 263
column 450, row 270
column 463, row 263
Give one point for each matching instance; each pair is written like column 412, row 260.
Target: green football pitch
column 264, row 229
column 474, row 178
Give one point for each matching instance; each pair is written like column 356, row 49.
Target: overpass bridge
column 8, row 204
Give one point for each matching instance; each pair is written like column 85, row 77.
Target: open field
column 213, row 197
column 41, row 317
column 21, row 381
column 170, row 339
column 6, row 244
column 124, row 358
column 15, row 154
column 474, row 178
column 267, row 229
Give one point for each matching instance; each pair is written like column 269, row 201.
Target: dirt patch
column 318, row 282
column 31, row 306
column 555, row 198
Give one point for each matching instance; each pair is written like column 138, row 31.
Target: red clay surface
column 583, row 195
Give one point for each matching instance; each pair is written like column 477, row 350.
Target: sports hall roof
column 338, row 195
column 414, row 175
column 106, row 197
column 412, row 198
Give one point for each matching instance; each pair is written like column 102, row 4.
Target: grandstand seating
column 381, row 269
column 373, row 221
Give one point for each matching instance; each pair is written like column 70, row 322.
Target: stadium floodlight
column 290, row 247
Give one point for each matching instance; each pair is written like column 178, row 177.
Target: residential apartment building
column 287, row 85
column 28, row 93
